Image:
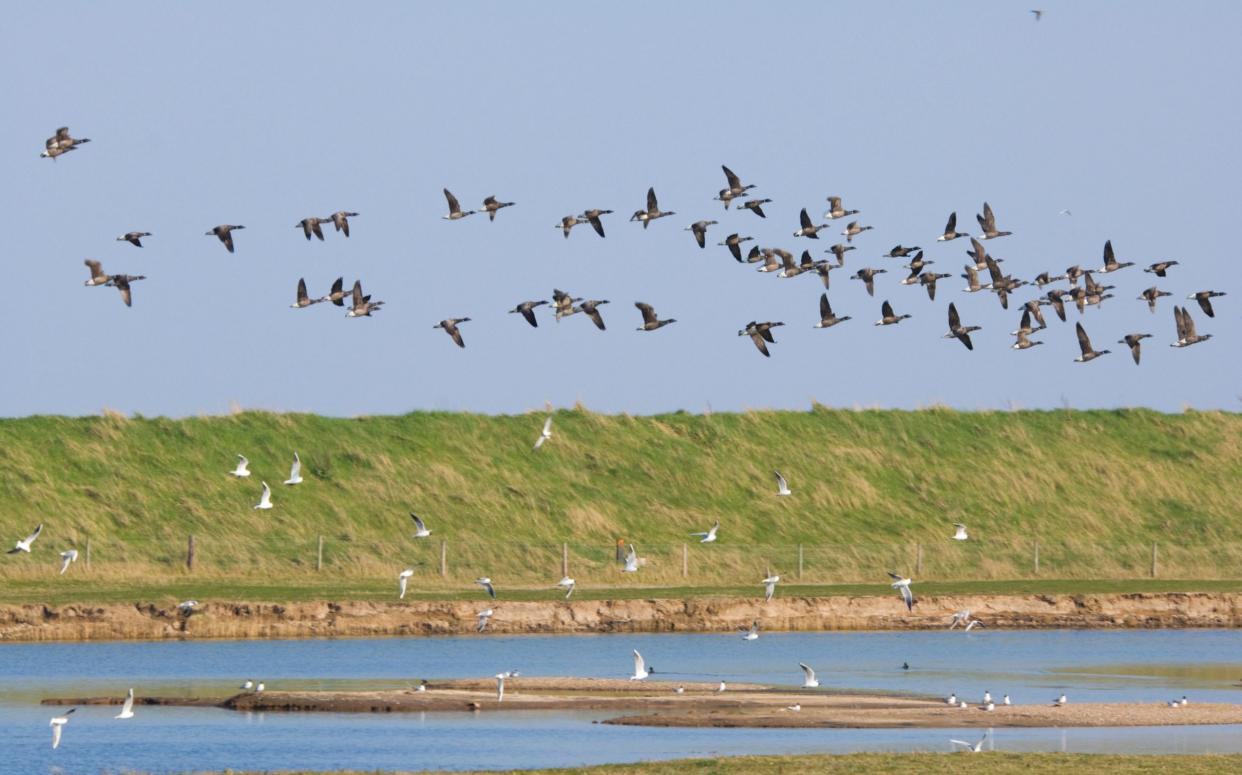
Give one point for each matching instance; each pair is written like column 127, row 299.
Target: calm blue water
column 1033, row 667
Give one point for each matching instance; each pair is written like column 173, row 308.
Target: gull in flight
column 486, row 583
column 243, row 467
column 641, row 670
column 545, row 434
column 769, row 586
column 24, row 544
column 710, row 535
column 484, row 616
column 782, row 486
column 567, row 584
column 631, row 561
column 67, row 557
column 127, row 710
column 752, row 632
column 295, row 473
column 960, row 532
column 973, row 623
column 809, row 681
column 420, row 527
column 56, row 724
column 903, row 584
column 971, row 747
column 403, row 579
column 187, row 607
column 500, row 687
column 265, row 500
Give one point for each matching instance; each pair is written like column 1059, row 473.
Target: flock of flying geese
column 982, row 272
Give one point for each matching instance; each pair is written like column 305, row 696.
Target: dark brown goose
column 1111, row 264
column 310, row 226
column 839, row 251
column 1186, row 335
column 835, row 210
column 700, row 231
column 806, row 265
column 867, row 275
column 987, row 222
column 98, row 276
column 1044, row 278
column 564, row 303
column 527, row 310
column 133, row 237
column 888, row 317
column 772, row 259
column 455, row 212
column 450, row 328
column 852, row 230
column 822, row 268
column 650, row 321
column 826, row 317
column 1073, row 273
column 900, row 251
column 808, row 229
column 1084, row 344
column 61, row 142
column 958, row 331
column 1205, row 301
column 972, row 279
column 652, row 212
column 567, row 224
column 980, row 254
column 755, row 255
column 1134, row 342
column 1024, row 324
column 303, row 298
column 338, row 293
column 1033, row 307
column 928, row 281
column 1150, row 295
column 592, row 217
column 491, row 206
column 1160, row 268
column 224, row 233
column 950, row 229
column 760, row 334
column 121, row 283
column 1057, row 300
column 916, row 267
column 362, row 306
column 340, row 220
column 734, row 243
column 591, row 308
column 1023, row 342
column 735, row 188
column 755, row 206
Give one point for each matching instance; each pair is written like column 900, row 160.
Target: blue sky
column 262, row 114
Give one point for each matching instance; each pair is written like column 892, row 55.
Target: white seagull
column 127, row 710
column 545, row 434
column 259, row 689
column 500, row 687
column 1062, row 700
column 1005, row 700
column 567, row 584
column 243, row 467
column 809, row 681
column 987, row 697
column 796, row 707
column 295, row 473
column 67, row 557
column 486, row 583
column 640, row 668
column 56, row 723
column 187, row 607
column 710, row 535
column 720, row 689
column 483, row 616
column 24, row 544
column 769, row 586
column 960, row 532
column 973, row 623
column 959, row 617
column 903, row 584
column 751, row 632
column 631, row 561
column 952, row 700
column 265, row 500
column 403, row 578
column 247, row 685
column 420, row 527
column 782, row 486
column 971, row 747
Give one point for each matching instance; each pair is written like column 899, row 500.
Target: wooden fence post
column 1153, row 559
column 1037, row 558
column 685, row 561
column 189, row 554
column 443, row 558
column 799, row 562
column 319, row 556
column 918, row 559
column 88, row 554
column 565, row 559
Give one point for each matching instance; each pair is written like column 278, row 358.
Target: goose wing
column 805, row 219
column 1109, row 257
column 951, row 226
column 757, row 338
column 825, row 309
column 734, row 181
column 886, row 310
column 303, row 296
column 649, row 313
column 653, row 206
column 453, row 205
column 954, row 321
column 1084, row 343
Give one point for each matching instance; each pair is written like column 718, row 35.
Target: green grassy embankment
column 872, row 490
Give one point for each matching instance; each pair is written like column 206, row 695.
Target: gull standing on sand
column 796, row 707
column 403, row 579
column 127, row 709
column 641, row 670
column 259, row 689
column 295, row 473
column 710, row 535
column 952, row 700
column 769, row 586
column 960, row 532
column 903, row 584
column 24, row 544
column 486, row 583
column 720, row 689
column 809, row 681
column 971, row 747
column 751, row 632
column 631, row 561
column 782, row 486
column 247, row 685
column 1005, row 700
column 567, row 584
column 56, row 724
column 265, row 500
column 243, row 467
column 420, row 527
column 1062, row 700
column 67, row 557
column 545, row 434
column 484, row 616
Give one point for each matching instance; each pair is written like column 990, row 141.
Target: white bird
column 1184, row 701
column 1005, row 700
column 796, row 707
column 809, row 681
column 187, row 607
column 987, row 697
column 769, row 586
column 127, row 709
column 1061, row 701
column 952, row 699
column 403, row 579
column 295, row 473
column 420, row 527
column 259, row 689
column 500, row 687
column 782, row 486
column 959, row 617
column 752, row 632
column 486, row 583
column 631, row 561
column 567, row 584
column 989, row 706
column 1175, row 704
column 973, row 623
column 679, row 690
column 971, row 747
column 710, row 535
column 963, row 705
column 422, row 687
column 67, row 557
column 265, row 500
column 484, row 616
column 545, row 434
column 56, row 723
column 720, row 689
column 903, row 584
column 640, row 668
column 24, row 544
column 960, row 534
column 243, row 467
column 247, row 685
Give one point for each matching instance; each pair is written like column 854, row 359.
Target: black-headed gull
column 403, row 579
column 782, row 486
column 769, row 586
column 265, row 499
column 24, row 544
column 486, row 583
column 809, row 681
column 295, row 472
column 420, row 527
column 952, row 699
column 483, row 617
column 1005, row 700
column 127, row 709
column 545, row 434
column 751, row 632
column 67, row 558
column 960, row 532
column 971, row 747
column 631, row 561
column 243, row 467
column 247, row 686
column 1062, row 700
column 903, row 584
column 641, row 670
column 567, row 584
column 709, row 536
column 56, row 724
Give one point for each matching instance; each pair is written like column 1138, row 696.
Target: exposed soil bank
column 149, row 621
column 701, row 705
